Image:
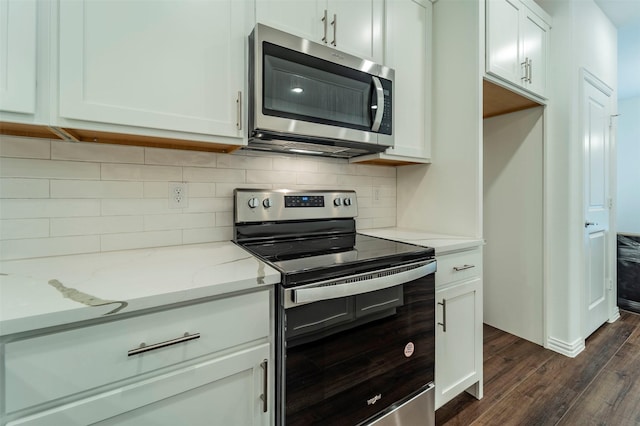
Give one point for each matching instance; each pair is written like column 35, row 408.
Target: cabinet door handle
column 525, row 64
column 324, row 22
column 239, row 111
column 144, row 348
column 335, row 29
column 462, row 268
column 444, row 315
column 529, row 68
column 265, row 371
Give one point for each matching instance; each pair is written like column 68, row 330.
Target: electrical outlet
column 376, row 194
column 178, row 195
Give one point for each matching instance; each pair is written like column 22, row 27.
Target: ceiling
column 621, row 12
column 625, row 15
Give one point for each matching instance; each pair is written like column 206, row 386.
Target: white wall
column 445, row 196
column 628, row 144
column 513, row 201
column 61, row 198
column 582, row 36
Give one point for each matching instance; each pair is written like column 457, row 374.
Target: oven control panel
column 260, row 205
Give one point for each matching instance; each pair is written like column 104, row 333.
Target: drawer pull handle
column 265, row 389
column 144, row 348
column 462, row 268
column 444, row 315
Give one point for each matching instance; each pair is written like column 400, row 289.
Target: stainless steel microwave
column 312, row 99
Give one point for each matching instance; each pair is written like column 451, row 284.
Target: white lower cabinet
column 458, row 325
column 218, row 373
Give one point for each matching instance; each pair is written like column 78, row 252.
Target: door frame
column 588, row 78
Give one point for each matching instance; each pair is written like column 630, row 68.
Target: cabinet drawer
column 48, row 367
column 458, row 266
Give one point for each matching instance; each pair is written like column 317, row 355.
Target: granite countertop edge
column 441, row 243
column 53, row 291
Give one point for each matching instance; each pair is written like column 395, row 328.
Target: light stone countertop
column 50, row 291
column 440, row 242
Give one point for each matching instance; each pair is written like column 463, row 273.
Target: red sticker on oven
column 408, row 349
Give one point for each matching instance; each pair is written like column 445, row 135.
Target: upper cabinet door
column 18, row 56
column 355, row 26
column 352, row 26
column 159, row 64
column 516, row 43
column 534, row 50
column 503, row 32
column 408, row 52
column 299, row 17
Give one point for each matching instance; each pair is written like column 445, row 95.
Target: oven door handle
column 360, row 283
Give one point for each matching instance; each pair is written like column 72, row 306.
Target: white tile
column 98, row 152
column 175, row 157
column 30, row 168
column 95, row 225
column 45, row 208
column 195, row 236
column 362, row 223
column 24, row 188
column 381, row 171
column 355, row 180
column 136, row 172
column 40, row 247
column 275, row 177
column 295, row 164
column 224, row 219
column 383, row 181
column 316, row 179
column 137, row 240
column 204, row 205
column 155, row 189
column 198, row 220
column 337, row 168
column 383, row 222
column 95, row 189
column 203, row 174
column 226, row 189
column 200, row 190
column 20, row 147
column 244, row 162
column 161, row 222
column 376, row 212
column 12, row 229
column 133, row 207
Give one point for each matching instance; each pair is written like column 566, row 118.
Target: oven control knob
column 347, row 201
column 267, row 203
column 337, row 202
column 253, row 203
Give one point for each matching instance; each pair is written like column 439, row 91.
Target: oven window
column 359, row 354
column 302, row 87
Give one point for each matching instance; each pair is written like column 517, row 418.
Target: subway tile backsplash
column 59, row 198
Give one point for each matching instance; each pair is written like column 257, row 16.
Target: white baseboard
column 565, row 348
column 615, row 316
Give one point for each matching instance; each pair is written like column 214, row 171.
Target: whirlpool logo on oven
column 375, row 399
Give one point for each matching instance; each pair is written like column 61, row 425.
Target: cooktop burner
column 311, row 236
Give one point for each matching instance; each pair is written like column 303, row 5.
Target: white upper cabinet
column 157, row 64
column 352, row 26
column 516, row 43
column 18, row 56
column 408, row 27
column 408, row 52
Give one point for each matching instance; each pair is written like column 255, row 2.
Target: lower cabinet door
column 226, row 390
column 458, row 340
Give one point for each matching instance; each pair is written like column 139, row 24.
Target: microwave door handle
column 377, row 120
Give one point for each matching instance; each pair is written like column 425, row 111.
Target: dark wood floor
column 525, row 384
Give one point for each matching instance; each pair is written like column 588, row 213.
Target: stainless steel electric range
column 355, row 325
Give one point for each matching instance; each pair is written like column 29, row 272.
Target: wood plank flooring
column 525, row 384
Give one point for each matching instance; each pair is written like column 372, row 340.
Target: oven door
column 362, row 351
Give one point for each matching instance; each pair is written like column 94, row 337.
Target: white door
column 595, row 136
